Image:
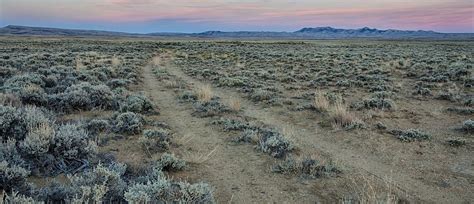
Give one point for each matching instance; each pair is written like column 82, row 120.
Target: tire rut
column 309, row 141
column 238, row 172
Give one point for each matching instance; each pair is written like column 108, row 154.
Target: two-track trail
column 238, row 173
column 241, row 174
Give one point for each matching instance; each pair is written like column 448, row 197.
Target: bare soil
column 241, row 174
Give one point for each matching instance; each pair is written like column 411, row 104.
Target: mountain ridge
column 303, row 33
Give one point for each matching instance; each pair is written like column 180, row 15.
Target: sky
column 144, row 16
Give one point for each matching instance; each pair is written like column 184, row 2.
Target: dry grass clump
column 368, row 190
column 204, row 93
column 235, row 104
column 342, row 117
column 79, row 64
column 337, row 110
column 116, row 61
column 321, row 102
column 155, row 61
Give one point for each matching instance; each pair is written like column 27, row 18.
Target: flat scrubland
column 175, row 121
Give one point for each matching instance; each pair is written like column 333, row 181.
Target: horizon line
column 213, row 30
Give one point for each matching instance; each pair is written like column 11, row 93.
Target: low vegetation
column 77, row 126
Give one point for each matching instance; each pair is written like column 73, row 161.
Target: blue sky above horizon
column 144, row 16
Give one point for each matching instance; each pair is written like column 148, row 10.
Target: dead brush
column 204, row 93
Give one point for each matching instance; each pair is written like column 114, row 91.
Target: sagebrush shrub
column 137, row 103
column 411, row 135
column 468, row 126
column 115, row 83
column 96, row 126
column 188, row 96
column 71, row 142
column 11, row 125
column 456, row 142
column 376, row 102
column 128, row 122
column 158, row 189
column 248, row 136
column 9, row 152
column 16, row 198
column 232, row 124
column 232, row 81
column 10, row 100
column 32, row 94
column 38, row 140
column 210, row 108
column 24, row 80
column 16, row 122
column 13, row 177
column 104, row 180
column 461, row 110
column 306, row 167
column 84, row 96
column 156, row 140
column 274, row 143
column 169, row 162
column 261, row 95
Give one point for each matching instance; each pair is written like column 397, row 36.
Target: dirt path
column 306, row 131
column 238, row 173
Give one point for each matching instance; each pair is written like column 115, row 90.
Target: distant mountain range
column 304, row 33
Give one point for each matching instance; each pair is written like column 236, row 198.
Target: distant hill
column 304, row 33
column 42, row 31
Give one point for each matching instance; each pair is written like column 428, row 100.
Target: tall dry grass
column 116, row 61
column 341, row 116
column 204, row 93
column 235, row 104
column 321, row 102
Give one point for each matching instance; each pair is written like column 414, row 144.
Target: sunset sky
column 144, row 16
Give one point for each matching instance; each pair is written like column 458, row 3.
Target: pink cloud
column 422, row 14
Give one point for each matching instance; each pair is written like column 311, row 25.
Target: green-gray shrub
column 158, row 189
column 169, row 162
column 83, row 96
column 96, row 126
column 155, row 140
column 209, row 108
column 13, row 177
column 72, row 141
column 411, row 135
column 129, row 123
column 468, row 126
column 108, row 176
column 137, row 103
column 306, row 167
column 16, row 198
column 274, row 143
